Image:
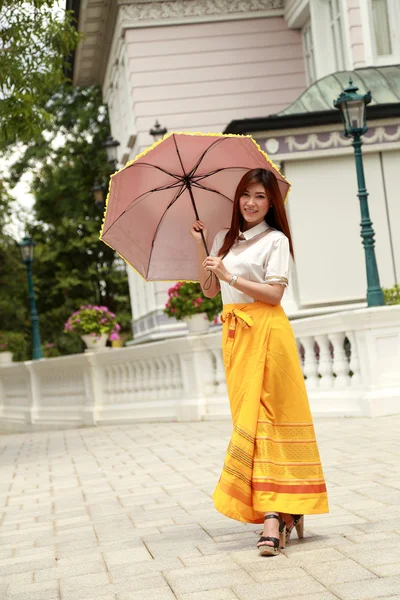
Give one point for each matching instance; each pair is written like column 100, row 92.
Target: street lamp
column 111, row 146
column 157, row 131
column 98, row 194
column 26, row 247
column 353, row 111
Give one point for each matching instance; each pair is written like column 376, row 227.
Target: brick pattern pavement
column 125, row 513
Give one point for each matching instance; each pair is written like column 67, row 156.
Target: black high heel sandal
column 298, row 523
column 277, row 542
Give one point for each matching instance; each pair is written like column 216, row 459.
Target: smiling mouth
column 250, row 212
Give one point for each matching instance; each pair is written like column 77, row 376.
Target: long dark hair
column 276, row 216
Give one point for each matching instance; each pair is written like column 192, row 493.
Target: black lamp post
column 158, row 131
column 353, row 111
column 26, row 246
column 111, row 146
column 97, row 190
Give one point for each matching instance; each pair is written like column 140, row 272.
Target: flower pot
column 94, row 343
column 5, row 358
column 197, row 324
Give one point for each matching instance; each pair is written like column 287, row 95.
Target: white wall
column 391, row 166
column 201, row 76
column 325, row 219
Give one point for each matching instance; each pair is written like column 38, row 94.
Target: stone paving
column 125, row 513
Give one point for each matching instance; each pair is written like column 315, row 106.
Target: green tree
column 36, row 41
column 14, row 316
column 72, row 267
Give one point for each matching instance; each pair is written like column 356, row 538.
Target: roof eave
column 306, row 120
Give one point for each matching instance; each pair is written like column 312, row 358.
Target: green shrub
column 13, row 341
column 392, row 295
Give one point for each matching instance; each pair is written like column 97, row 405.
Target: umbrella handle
column 208, row 281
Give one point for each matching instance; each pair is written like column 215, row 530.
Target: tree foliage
column 36, row 41
column 14, row 317
column 71, row 267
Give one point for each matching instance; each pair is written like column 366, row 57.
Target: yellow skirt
column 272, row 462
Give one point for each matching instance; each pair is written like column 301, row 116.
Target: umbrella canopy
column 155, row 198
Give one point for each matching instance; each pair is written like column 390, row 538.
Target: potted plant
column 12, row 346
column 94, row 324
column 187, row 302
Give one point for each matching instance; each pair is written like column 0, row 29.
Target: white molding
column 183, row 11
column 367, row 33
column 297, row 13
column 336, row 152
column 347, row 49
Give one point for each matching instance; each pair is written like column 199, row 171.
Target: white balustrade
column 350, row 360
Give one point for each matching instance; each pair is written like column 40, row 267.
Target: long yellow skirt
column 272, row 462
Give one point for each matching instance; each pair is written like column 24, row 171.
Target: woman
column 272, row 470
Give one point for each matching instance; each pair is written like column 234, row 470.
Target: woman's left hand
column 215, row 264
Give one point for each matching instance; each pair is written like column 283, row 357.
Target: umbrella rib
column 139, row 199
column 196, row 166
column 139, row 164
column 207, row 189
column 200, row 177
column 177, row 195
column 179, row 156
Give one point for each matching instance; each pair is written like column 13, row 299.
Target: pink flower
column 114, row 336
column 199, row 300
column 117, row 327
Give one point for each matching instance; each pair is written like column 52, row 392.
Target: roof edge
column 306, row 120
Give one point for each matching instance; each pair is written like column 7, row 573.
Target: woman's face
column 254, row 205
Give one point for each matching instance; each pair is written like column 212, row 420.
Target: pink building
column 270, row 68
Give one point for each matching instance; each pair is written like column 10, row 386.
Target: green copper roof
column 382, row 82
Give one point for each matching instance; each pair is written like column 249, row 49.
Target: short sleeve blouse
column 260, row 254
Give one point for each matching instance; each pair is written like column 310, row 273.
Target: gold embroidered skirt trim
column 272, row 462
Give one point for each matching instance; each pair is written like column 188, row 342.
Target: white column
column 340, row 361
column 310, row 364
column 325, row 367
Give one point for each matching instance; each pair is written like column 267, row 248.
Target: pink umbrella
column 155, row 198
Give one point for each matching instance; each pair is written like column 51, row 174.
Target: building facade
column 213, row 65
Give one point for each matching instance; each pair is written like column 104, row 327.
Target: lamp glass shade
column 157, row 136
column 111, row 146
column 158, row 131
column 98, row 196
column 26, row 247
column 98, row 193
column 355, row 114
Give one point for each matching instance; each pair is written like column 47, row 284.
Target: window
column 381, row 27
column 335, row 23
column 309, row 57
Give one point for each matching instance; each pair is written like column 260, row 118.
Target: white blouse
column 260, row 254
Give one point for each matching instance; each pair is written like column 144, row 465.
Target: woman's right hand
column 195, row 231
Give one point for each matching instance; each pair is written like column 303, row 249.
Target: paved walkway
column 124, row 513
